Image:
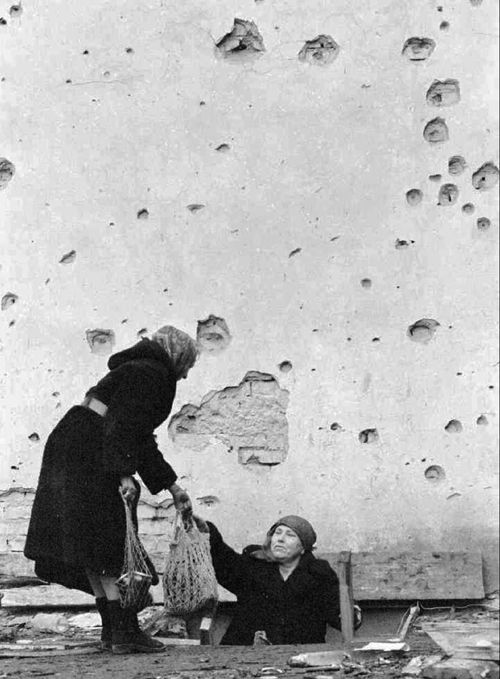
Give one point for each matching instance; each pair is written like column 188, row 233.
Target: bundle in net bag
column 189, row 582
column 138, row 572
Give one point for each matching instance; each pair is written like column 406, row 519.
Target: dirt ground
column 219, row 662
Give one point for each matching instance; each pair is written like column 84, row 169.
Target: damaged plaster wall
column 312, row 190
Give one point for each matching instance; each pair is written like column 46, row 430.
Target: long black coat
column 292, row 611
column 77, row 519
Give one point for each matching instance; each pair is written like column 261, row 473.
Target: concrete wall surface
column 316, row 184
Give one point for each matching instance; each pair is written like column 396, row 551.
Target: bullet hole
column 285, row 366
column 223, row 148
column 129, row 50
column 454, row 427
column 142, row 332
column 456, row 165
column 368, row 436
column 208, row 500
column 7, row 171
column 482, row 421
column 423, row 330
column 195, row 207
column 436, row 131
column 418, row 49
column 69, row 81
column 414, row 197
column 242, row 43
column 448, row 194
column 435, row 473
column 16, row 10
column 295, row 252
column 106, row 74
column 3, row 22
column 443, row 93
column 435, row 177
column 8, row 300
column 143, row 214
column 486, row 177
column 468, row 208
column 376, row 339
column 322, row 50
column 34, row 438
column 335, row 426
column 483, row 223
column 56, row 394
column 11, row 324
column 101, row 342
column 68, row 258
column 444, row 26
column 491, row 386
column 213, row 335
column 203, row 103
column 402, row 244
column 85, row 52
column 366, row 283
column 476, row 3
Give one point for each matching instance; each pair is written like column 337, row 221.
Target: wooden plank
column 413, row 576
column 45, row 595
column 346, row 597
column 478, row 640
column 376, row 576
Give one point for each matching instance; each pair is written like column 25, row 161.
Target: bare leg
column 95, row 583
column 108, row 584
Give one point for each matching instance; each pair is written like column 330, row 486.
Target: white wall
column 316, row 152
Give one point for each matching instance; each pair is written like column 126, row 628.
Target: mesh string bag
column 189, row 582
column 138, row 573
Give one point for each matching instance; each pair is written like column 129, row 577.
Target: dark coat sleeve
column 330, row 598
column 137, row 406
column 230, row 567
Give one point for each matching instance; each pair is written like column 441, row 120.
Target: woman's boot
column 121, row 638
column 143, row 643
column 102, row 606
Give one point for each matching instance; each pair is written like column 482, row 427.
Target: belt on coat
column 94, row 404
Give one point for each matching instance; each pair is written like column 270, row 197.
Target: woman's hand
column 182, row 500
column 127, row 488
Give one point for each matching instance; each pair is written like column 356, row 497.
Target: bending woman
column 282, row 589
column 76, row 534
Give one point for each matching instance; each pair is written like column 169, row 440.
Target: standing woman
column 76, row 534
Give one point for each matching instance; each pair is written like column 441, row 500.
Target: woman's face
column 285, row 544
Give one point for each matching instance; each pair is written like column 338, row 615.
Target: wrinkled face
column 285, row 544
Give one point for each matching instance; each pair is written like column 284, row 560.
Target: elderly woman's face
column 285, row 544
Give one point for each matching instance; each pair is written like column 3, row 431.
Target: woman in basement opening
column 285, row 595
column 77, row 529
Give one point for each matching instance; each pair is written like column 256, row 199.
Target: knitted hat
column 300, row 526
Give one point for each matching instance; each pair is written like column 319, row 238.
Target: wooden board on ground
column 412, row 576
column 475, row 641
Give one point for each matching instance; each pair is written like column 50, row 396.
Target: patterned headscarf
column 181, row 348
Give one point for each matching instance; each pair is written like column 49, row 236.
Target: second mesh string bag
column 138, row 573
column 189, row 582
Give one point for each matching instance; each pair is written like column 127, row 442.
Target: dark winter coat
column 78, row 519
column 292, row 611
